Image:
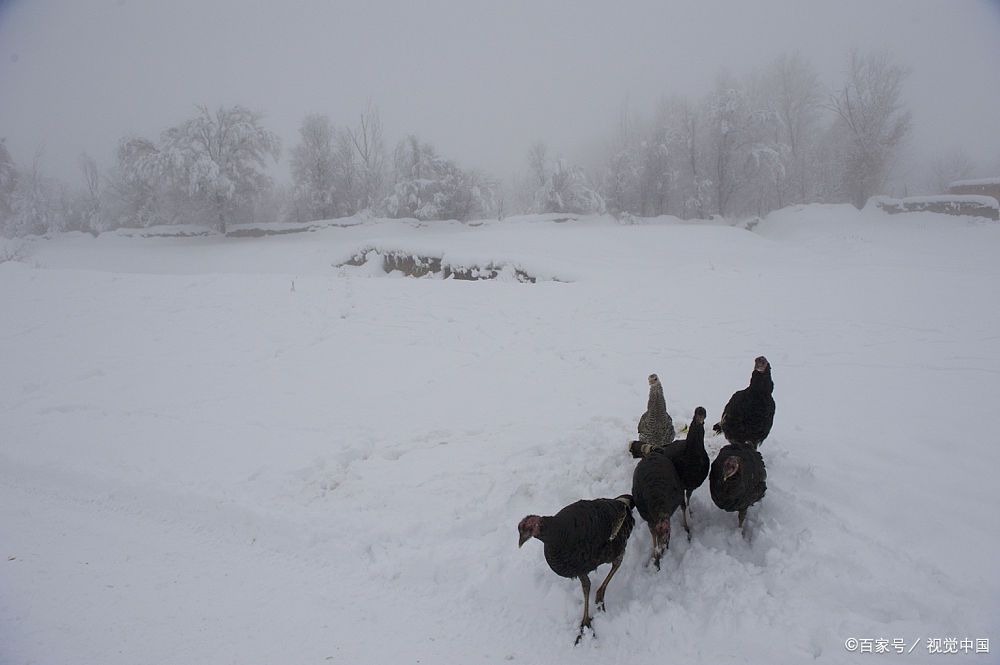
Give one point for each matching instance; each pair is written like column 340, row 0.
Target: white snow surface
column 200, row 463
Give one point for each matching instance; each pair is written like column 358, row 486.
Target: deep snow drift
column 221, row 450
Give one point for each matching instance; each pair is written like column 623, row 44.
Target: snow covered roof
column 975, row 183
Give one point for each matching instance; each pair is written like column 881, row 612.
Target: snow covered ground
column 201, row 464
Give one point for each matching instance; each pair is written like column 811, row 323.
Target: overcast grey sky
column 480, row 80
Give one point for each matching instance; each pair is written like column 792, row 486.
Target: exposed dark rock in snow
column 975, row 206
column 413, row 265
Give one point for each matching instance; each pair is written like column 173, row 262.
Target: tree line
column 752, row 145
column 755, row 145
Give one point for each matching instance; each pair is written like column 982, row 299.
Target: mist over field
column 681, row 108
column 316, row 315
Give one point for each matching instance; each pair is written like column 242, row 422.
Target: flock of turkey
column 588, row 533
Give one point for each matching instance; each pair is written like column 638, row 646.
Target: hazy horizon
column 480, row 82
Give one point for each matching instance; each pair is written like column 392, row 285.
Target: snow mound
column 283, row 228
column 411, row 264
column 554, row 217
column 167, row 231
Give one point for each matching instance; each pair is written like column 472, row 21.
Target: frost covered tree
column 656, row 174
column 88, row 204
column 766, row 176
column 758, row 143
column 791, row 91
column 206, row 170
column 567, row 190
column 219, row 159
column 729, row 153
column 745, row 149
column 730, row 136
column 684, row 135
column 872, row 118
column 370, row 152
column 430, row 187
column 641, row 173
column 621, row 183
column 948, row 167
column 348, row 177
column 8, row 183
column 138, row 186
column 519, row 192
column 274, row 203
column 416, row 168
column 520, row 187
column 314, row 170
column 35, row 203
column 484, row 196
column 621, row 174
column 538, row 162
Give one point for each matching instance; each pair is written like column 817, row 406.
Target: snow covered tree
column 348, row 176
column 138, row 186
column 766, row 175
column 519, row 193
column 557, row 186
column 218, row 158
column 622, row 172
column 870, row 111
column 415, row 169
column 684, row 137
column 88, row 204
column 655, row 173
column 429, row 187
column 274, row 203
column 639, row 174
column 729, row 138
column 791, row 91
column 8, row 183
column 35, row 204
column 370, row 152
column 567, row 190
column 538, row 162
column 314, row 170
column 748, row 155
column 621, row 183
column 948, row 167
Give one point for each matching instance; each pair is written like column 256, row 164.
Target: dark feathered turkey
column 658, row 492
column 749, row 414
column 581, row 537
column 690, row 458
column 737, row 479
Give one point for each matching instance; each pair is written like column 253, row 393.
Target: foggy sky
column 480, row 80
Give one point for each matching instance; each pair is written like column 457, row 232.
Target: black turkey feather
column 581, row 537
column 749, row 414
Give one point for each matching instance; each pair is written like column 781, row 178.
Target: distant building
column 982, row 187
column 975, row 205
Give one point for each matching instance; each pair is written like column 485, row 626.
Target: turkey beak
column 729, row 474
column 523, row 539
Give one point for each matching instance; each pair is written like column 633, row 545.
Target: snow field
column 200, row 465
